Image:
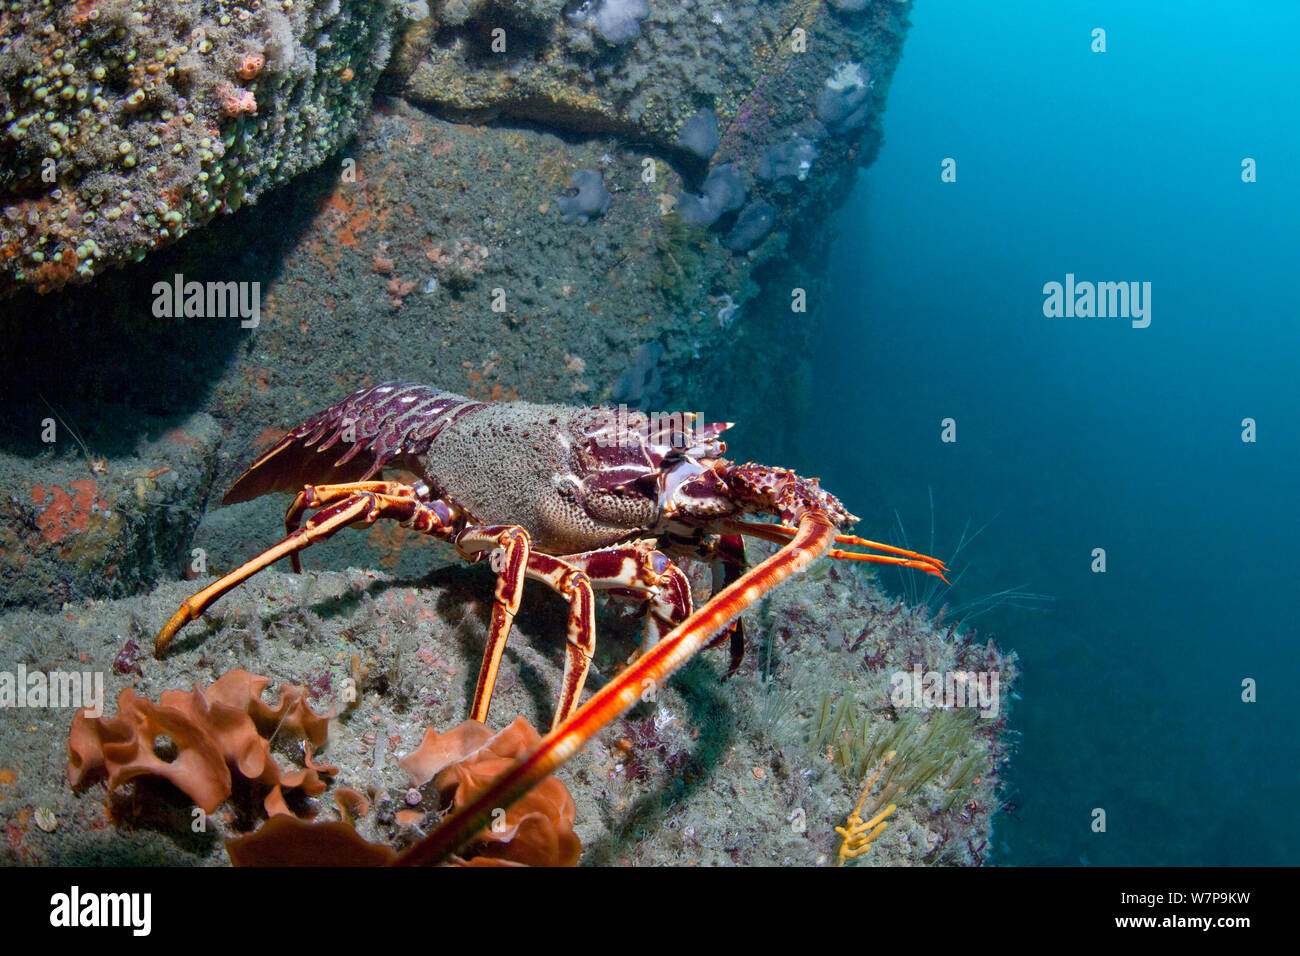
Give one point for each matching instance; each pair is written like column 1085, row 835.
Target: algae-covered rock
column 635, row 212
column 125, row 124
column 431, row 249
column 712, row 771
column 679, row 76
column 78, row 525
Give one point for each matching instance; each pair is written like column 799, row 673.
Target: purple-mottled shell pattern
column 631, row 451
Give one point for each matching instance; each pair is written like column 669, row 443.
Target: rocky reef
column 567, row 218
column 217, row 218
column 758, row 768
column 125, row 124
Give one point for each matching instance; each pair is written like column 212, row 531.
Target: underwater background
column 1080, row 433
column 629, row 203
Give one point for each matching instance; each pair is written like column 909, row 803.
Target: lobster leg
column 510, row 549
column 812, row 540
column 725, row 555
column 318, row 496
column 574, row 586
column 629, row 571
column 364, row 507
column 642, row 574
column 731, row 564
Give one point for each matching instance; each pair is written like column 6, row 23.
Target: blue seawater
column 1077, row 433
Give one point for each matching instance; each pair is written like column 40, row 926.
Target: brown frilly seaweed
column 225, row 726
column 288, row 841
column 536, row 830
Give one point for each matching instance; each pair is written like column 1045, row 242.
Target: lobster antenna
column 900, row 557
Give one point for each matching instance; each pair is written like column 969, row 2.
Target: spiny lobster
column 580, row 499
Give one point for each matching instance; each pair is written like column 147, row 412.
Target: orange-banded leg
column 726, row 555
column 508, row 548
column 812, row 539
column 641, row 573
column 780, row 534
column 572, row 584
column 318, row 496
column 365, row 507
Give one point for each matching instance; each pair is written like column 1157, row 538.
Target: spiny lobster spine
column 781, row 491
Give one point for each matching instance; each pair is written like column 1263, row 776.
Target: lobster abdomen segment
column 391, row 424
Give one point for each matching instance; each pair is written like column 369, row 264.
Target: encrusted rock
column 126, row 124
column 88, row 526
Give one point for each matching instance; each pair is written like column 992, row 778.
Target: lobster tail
column 387, row 425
